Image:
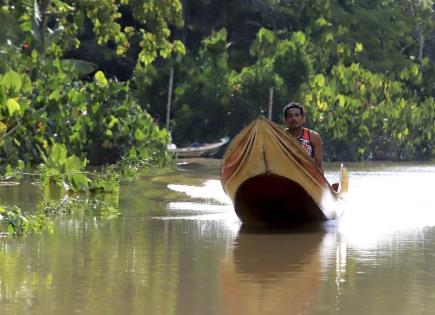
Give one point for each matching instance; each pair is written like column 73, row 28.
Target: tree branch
column 9, row 132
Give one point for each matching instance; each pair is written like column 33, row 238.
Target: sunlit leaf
column 321, row 22
column 328, row 37
column 73, row 164
column 3, row 97
column 113, row 121
column 139, row 135
column 320, row 80
column 58, row 154
column 11, row 80
column 101, row 79
column 359, row 47
column 27, row 84
column 299, row 37
column 82, row 67
column 3, row 128
column 55, row 95
column 341, row 100
column 12, row 106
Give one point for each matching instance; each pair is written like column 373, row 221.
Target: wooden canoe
column 271, row 179
column 204, row 150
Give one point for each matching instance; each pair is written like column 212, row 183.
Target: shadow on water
column 297, row 228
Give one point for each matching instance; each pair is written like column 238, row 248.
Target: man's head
column 294, row 115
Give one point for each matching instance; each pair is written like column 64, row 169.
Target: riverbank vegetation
column 60, row 115
column 88, row 83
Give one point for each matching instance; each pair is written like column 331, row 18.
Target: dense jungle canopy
column 93, row 76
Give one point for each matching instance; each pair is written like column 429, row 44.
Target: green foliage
column 42, row 100
column 363, row 115
column 384, row 30
column 75, row 191
column 52, row 26
column 251, row 91
column 292, row 62
column 203, row 97
column 105, row 182
column 102, row 206
column 264, row 44
column 282, row 65
column 114, row 123
column 99, row 121
column 227, row 56
column 14, row 222
column 65, row 171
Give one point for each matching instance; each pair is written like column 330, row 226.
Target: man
column 310, row 140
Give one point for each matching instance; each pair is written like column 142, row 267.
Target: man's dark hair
column 293, row 105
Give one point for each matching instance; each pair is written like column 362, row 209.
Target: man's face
column 294, row 118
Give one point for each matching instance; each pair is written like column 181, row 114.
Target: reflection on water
column 271, row 273
column 212, row 203
column 178, row 248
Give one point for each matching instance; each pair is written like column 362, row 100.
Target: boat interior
column 273, row 199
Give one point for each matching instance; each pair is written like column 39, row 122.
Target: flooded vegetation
column 177, row 248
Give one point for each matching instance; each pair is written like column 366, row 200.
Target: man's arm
column 318, row 151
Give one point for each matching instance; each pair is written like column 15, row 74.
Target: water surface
column 178, row 248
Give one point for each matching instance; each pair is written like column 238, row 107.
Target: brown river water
column 178, row 248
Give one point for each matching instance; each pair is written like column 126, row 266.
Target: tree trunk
column 420, row 44
column 185, row 5
column 42, row 29
column 269, row 115
column 168, row 105
column 419, row 30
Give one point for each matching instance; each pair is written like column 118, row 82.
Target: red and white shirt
column 305, row 141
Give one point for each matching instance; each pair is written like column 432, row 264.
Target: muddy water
column 178, row 248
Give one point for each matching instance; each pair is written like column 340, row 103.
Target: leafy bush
column 98, row 121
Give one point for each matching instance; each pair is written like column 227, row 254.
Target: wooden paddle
column 343, row 185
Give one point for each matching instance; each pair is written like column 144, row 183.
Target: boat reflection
column 269, row 273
